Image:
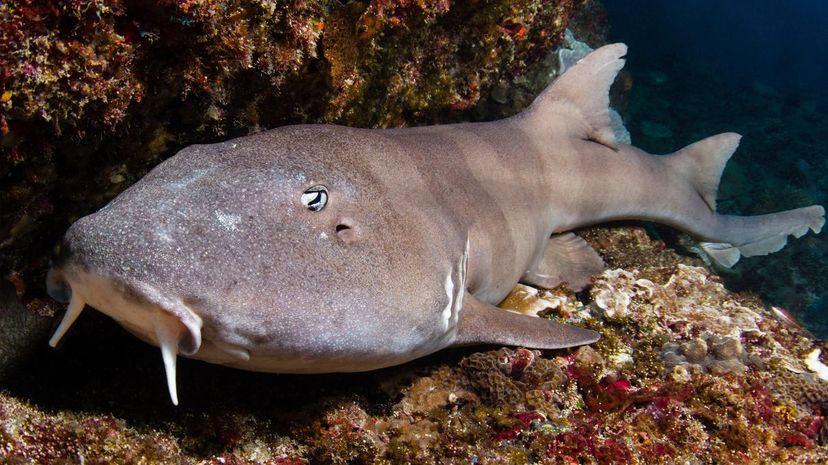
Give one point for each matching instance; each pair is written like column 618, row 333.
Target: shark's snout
column 92, row 272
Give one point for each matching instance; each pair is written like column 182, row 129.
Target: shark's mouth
column 139, row 307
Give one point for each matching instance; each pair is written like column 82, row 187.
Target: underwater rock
column 718, row 355
column 30, row 435
column 589, row 364
column 571, row 51
column 694, row 350
column 21, row 331
column 498, row 386
column 535, row 302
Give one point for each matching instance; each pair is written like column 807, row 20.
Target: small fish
column 319, row 248
column 785, row 316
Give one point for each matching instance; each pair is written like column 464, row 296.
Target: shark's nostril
column 347, row 231
column 57, row 287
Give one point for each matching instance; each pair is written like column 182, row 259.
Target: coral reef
column 21, row 331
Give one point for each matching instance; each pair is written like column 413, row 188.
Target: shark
column 324, row 248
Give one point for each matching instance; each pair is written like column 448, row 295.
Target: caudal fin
column 701, row 164
column 763, row 234
column 580, row 97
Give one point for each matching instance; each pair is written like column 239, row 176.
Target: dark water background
column 759, row 68
column 780, row 44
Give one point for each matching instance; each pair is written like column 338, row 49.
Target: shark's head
column 284, row 252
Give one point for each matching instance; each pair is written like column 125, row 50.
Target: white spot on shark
column 184, row 182
column 163, row 234
column 228, row 221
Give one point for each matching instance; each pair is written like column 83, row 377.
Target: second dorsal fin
column 702, row 163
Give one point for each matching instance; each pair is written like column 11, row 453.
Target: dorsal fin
column 580, row 96
column 702, row 163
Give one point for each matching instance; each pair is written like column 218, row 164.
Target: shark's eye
column 315, row 198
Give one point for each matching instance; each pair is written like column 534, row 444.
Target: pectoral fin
column 567, row 258
column 482, row 323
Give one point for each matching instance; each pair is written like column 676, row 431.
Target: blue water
column 759, row 68
column 781, row 44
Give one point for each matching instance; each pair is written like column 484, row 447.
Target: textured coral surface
column 686, row 372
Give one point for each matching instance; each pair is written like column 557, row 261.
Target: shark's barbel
column 318, row 248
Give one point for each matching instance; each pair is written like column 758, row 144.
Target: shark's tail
column 733, row 237
column 762, row 234
column 582, row 95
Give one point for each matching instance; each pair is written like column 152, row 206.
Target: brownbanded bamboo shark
column 321, row 248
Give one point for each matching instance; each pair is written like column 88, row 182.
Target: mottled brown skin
column 216, row 240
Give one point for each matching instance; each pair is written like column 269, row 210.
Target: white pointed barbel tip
column 167, row 333
column 72, row 312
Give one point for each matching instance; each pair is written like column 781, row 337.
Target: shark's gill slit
column 76, row 305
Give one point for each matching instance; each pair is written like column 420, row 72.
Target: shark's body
column 323, row 248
